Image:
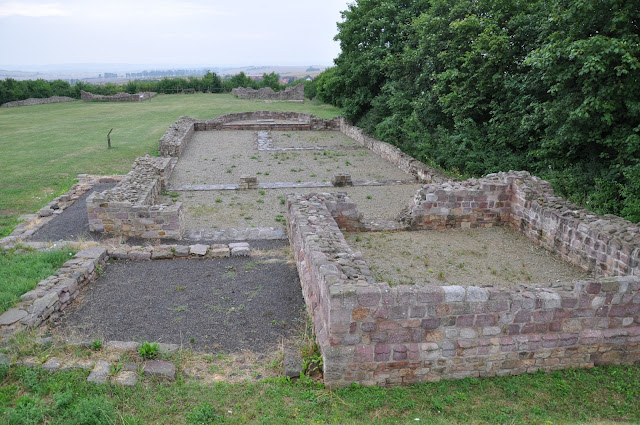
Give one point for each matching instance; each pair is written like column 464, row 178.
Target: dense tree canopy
column 11, row 89
column 477, row 86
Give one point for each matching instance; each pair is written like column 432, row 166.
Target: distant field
column 44, row 147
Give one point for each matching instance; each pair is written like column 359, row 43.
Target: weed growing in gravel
column 178, row 309
column 149, row 350
column 96, row 345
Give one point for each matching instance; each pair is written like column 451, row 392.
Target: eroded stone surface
column 11, row 316
column 125, row 378
column 100, row 372
column 159, row 369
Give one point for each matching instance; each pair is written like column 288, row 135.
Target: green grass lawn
column 44, row 147
column 601, row 395
column 19, row 273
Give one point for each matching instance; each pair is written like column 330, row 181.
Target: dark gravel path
column 228, row 304
column 73, row 223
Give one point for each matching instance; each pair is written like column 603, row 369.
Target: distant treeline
column 11, row 90
column 479, row 86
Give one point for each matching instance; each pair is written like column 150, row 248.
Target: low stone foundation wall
column 54, row 294
column 176, row 138
column 33, row 101
column 267, row 93
column 119, row 97
column 129, row 208
column 375, row 334
column 406, row 163
column 606, row 245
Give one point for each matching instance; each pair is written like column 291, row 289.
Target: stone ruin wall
column 53, row 294
column 295, row 93
column 606, row 245
column 34, row 101
column 375, row 334
column 119, row 97
column 177, row 137
column 129, row 209
column 392, row 154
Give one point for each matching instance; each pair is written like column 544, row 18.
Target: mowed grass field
column 44, row 147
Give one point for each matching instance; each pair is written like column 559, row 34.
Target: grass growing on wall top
column 44, row 147
column 19, row 273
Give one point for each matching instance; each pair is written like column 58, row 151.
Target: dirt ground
column 493, row 256
column 221, row 157
column 239, row 209
column 213, row 305
column 73, row 223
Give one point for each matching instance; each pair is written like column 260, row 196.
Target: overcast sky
column 241, row 32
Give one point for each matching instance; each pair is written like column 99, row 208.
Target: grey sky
column 247, row 32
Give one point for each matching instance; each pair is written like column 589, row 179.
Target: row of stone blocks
column 102, row 371
column 54, row 294
column 376, row 334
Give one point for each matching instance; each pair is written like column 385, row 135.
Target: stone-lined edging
column 53, row 294
column 31, row 223
column 104, row 371
column 376, row 334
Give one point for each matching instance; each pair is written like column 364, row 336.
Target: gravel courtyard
column 381, row 189
column 492, row 256
column 210, row 305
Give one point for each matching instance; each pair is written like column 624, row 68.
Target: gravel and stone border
column 31, row 223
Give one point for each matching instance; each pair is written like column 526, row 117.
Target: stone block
column 241, row 251
column 122, row 345
column 453, row 293
column 11, row 316
column 219, row 251
column 160, row 369
column 52, row 365
column 100, row 372
column 125, row 378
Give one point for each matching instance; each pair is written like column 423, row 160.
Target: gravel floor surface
column 235, row 208
column 493, row 256
column 222, row 157
column 73, row 223
column 229, row 304
column 306, row 139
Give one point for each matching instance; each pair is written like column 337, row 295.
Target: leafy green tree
column 477, row 86
column 211, row 81
column 271, row 80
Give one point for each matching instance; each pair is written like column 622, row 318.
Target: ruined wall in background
column 119, row 97
column 34, row 101
column 295, row 93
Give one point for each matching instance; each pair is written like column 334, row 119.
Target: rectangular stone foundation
column 129, row 209
column 375, row 334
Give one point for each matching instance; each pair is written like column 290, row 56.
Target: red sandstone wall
column 375, row 334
